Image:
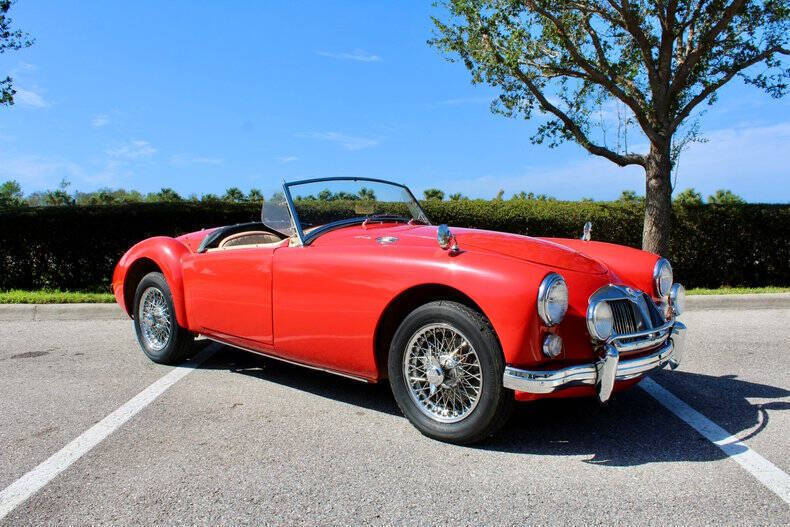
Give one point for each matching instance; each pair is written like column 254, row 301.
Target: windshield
column 326, row 203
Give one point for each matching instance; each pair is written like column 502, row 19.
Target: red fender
column 633, row 266
column 166, row 253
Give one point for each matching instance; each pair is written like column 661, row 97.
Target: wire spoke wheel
column 154, row 319
column 442, row 373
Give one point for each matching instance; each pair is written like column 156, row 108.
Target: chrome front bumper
column 602, row 373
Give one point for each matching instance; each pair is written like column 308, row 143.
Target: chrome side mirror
column 586, row 236
column 446, row 238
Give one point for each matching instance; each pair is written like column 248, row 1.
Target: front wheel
column 158, row 332
column 445, row 369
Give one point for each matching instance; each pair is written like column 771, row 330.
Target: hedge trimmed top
column 76, row 248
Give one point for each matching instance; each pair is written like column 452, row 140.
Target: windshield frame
column 306, row 239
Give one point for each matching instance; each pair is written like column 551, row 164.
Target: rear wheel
column 158, row 332
column 445, row 370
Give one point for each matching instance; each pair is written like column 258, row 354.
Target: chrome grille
column 624, row 318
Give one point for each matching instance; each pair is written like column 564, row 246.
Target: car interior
column 241, row 236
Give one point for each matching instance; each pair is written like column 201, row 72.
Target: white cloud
column 188, row 159
column 287, row 159
column 29, row 98
column 100, row 120
column 347, row 142
column 135, row 149
column 357, row 55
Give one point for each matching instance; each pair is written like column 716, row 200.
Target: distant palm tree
column 725, row 197
column 688, row 197
column 255, row 195
column 433, row 194
column 367, row 193
column 234, row 195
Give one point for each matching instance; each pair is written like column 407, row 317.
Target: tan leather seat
column 248, row 239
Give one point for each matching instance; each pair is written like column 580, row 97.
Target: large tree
column 657, row 61
column 10, row 40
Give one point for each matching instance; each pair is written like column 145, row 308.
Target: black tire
column 494, row 403
column 178, row 343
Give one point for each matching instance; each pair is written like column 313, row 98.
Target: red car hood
column 535, row 250
column 529, row 249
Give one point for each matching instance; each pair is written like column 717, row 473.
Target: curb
column 38, row 312
column 754, row 301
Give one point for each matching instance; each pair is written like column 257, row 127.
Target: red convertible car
column 348, row 275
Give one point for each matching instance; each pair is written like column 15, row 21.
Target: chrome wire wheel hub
column 154, row 319
column 442, row 372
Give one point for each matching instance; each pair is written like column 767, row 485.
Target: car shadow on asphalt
column 632, row 429
column 375, row 397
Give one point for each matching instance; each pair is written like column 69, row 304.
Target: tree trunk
column 658, row 200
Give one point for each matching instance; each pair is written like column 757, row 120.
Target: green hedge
column 76, row 248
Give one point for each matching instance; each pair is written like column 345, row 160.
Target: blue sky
column 200, row 97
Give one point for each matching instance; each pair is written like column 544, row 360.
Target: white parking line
column 20, row 490
column 766, row 472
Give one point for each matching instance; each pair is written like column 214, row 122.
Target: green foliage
column 76, row 248
column 737, row 291
column 10, row 194
column 725, row 197
column 367, row 193
column 210, row 198
column 234, row 195
column 659, row 59
column 255, row 195
column 457, row 196
column 10, row 40
column 167, row 194
column 629, row 196
column 108, row 196
column 433, row 194
column 688, row 197
column 54, row 296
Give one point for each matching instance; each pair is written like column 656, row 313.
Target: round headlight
column 662, row 277
column 677, row 298
column 552, row 299
column 600, row 321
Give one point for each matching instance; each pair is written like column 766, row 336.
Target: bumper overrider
column 610, row 367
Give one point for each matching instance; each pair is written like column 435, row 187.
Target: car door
column 228, row 294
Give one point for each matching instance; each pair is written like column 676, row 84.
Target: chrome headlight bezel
column 599, row 311
column 662, row 277
column 550, row 283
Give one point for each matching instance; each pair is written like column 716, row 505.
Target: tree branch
column 632, row 26
column 578, row 134
column 595, row 75
column 710, row 88
column 706, row 42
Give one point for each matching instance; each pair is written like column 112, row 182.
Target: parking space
column 244, row 439
column 57, row 379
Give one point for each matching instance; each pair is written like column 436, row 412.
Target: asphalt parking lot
column 247, row 440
